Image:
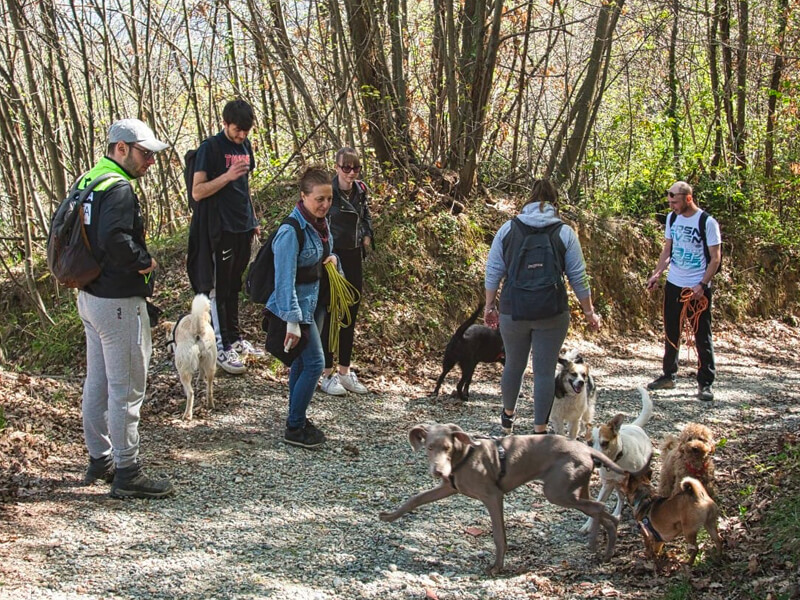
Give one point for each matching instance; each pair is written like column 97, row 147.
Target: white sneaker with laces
column 229, row 361
column 331, row 386
column 245, row 348
column 351, row 384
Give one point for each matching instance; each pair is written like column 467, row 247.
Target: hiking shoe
column 665, row 382
column 332, row 386
column 307, row 436
column 99, row 468
column 351, row 384
column 506, row 421
column 245, row 348
column 229, row 361
column 131, row 482
column 705, row 393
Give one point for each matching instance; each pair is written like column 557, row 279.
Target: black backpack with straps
column 535, row 271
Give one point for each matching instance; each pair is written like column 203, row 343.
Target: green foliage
column 783, row 518
column 58, row 348
column 679, row 590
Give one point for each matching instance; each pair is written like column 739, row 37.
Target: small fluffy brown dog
column 663, row 519
column 689, row 455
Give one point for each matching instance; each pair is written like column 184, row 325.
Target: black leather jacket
column 350, row 219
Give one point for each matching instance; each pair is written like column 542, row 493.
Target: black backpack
column 69, row 256
column 188, row 170
column 260, row 280
column 535, row 266
column 701, row 226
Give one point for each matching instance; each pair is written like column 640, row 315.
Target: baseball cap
column 134, row 131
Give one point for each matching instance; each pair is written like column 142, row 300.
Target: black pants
column 352, row 265
column 230, row 261
column 672, row 328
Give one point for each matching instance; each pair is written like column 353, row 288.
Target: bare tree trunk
column 741, row 86
column 774, row 88
column 672, row 108
column 716, row 91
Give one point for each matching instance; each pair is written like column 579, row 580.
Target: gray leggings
column 118, row 348
column 542, row 338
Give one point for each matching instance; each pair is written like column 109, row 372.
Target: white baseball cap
column 134, row 131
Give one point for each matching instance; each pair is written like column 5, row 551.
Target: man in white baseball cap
column 114, row 314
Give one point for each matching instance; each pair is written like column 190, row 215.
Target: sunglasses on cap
column 672, row 194
column 348, row 169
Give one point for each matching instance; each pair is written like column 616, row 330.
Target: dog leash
column 171, row 342
column 501, row 453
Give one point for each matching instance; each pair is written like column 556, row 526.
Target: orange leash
column 690, row 319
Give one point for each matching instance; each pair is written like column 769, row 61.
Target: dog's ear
column 616, row 422
column 417, row 435
column 577, row 359
column 465, row 439
column 563, row 361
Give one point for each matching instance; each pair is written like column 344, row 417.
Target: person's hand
column 593, row 320
column 367, row 241
column 237, row 169
column 491, row 318
column 153, row 266
column 652, row 282
column 292, row 336
column 331, row 259
column 257, row 232
column 698, row 291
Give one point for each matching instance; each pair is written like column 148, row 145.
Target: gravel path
column 254, row 518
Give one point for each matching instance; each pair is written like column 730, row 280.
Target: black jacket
column 115, row 230
column 350, row 220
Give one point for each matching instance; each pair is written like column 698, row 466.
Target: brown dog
column 689, row 455
column 487, row 469
column 662, row 519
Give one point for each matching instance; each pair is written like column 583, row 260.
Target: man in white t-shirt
column 692, row 264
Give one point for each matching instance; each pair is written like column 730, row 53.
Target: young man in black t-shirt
column 222, row 167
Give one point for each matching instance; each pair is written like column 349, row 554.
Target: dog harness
column 644, row 505
column 501, row 454
column 171, row 342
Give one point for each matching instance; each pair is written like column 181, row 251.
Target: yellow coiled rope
column 343, row 296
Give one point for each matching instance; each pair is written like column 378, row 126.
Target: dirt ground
column 253, row 518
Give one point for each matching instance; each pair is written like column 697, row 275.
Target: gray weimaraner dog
column 487, row 469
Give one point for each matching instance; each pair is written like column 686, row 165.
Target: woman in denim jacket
column 297, row 303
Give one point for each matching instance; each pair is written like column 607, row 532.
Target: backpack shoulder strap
column 97, row 181
column 701, row 226
column 301, row 236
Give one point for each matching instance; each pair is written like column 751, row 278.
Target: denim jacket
column 295, row 303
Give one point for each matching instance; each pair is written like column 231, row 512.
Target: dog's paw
column 494, row 570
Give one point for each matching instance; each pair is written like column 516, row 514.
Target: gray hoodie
column 574, row 265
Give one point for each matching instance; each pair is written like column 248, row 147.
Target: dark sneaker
column 131, row 482
column 305, row 437
column 705, row 393
column 506, row 422
column 665, row 382
column 99, row 468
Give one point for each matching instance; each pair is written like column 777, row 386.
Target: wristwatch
column 704, row 285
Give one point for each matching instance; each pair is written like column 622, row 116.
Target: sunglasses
column 146, row 154
column 673, row 194
column 348, row 169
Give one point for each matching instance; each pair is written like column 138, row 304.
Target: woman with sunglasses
column 351, row 228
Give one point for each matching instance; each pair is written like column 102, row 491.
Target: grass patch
column 783, row 519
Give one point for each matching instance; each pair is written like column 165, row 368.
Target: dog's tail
column 669, row 444
column 647, row 408
column 693, row 487
column 468, row 323
column 201, row 313
column 601, row 460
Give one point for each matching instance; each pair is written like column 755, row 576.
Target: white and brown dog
column 627, row 445
column 195, row 348
column 575, row 396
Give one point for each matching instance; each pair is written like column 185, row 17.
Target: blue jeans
column 305, row 372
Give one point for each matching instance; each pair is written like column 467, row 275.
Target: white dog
column 575, row 396
column 195, row 349
column 627, row 445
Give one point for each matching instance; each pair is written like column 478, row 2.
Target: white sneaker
column 229, row 361
column 244, row 348
column 351, row 384
column 330, row 385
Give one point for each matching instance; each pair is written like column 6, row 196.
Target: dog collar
column 647, row 524
column 696, row 472
column 457, row 466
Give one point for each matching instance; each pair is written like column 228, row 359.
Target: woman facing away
column 534, row 319
column 351, row 226
column 297, row 303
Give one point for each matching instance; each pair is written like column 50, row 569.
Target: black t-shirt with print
column 235, row 209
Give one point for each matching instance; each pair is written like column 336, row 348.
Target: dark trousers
column 230, row 261
column 673, row 306
column 352, row 265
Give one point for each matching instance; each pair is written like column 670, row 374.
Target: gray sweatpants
column 118, row 349
column 542, row 338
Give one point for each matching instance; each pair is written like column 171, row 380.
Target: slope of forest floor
column 253, row 518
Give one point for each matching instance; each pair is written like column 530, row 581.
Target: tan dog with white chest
column 662, row 519
column 195, row 347
column 575, row 396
